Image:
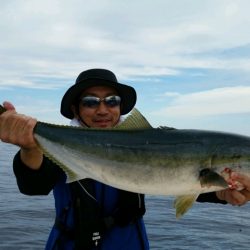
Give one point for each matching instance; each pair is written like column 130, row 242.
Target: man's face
column 101, row 115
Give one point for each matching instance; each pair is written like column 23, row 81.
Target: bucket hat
column 97, row 77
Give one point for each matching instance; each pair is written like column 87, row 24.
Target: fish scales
column 149, row 160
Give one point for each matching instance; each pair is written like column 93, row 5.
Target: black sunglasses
column 94, row 102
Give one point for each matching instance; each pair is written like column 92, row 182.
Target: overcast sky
column 188, row 60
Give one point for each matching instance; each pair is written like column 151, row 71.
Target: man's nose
column 102, row 108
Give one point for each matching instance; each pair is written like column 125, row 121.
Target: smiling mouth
column 102, row 123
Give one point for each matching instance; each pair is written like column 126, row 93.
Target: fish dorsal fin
column 135, row 120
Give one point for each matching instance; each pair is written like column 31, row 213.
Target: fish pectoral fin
column 183, row 203
column 210, row 178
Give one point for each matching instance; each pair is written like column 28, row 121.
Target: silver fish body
column 158, row 161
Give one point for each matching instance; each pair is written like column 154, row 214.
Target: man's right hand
column 17, row 129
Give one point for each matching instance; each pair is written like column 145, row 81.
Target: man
column 89, row 214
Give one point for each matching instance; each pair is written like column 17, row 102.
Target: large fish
column 138, row 158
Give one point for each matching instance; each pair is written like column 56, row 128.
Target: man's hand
column 17, row 129
column 233, row 196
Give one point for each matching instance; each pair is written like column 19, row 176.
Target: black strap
column 66, row 233
column 131, row 207
column 89, row 226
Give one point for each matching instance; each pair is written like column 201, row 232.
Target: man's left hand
column 233, row 196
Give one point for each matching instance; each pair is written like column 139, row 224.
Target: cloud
column 162, row 37
column 13, row 83
column 220, row 101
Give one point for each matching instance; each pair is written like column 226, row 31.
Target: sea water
column 25, row 221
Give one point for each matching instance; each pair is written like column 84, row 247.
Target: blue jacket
column 132, row 236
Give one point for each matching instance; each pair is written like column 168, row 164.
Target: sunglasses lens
column 90, row 101
column 112, row 101
column 93, row 102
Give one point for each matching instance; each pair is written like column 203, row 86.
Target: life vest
column 91, row 215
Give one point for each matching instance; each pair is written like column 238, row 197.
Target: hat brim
column 127, row 94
